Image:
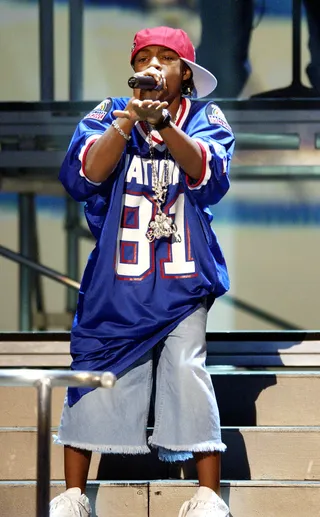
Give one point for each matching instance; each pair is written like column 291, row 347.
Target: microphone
column 144, row 82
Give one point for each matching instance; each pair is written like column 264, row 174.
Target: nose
column 155, row 63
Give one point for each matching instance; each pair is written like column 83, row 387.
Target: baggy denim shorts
column 185, row 410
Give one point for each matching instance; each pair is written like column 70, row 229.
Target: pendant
column 162, row 226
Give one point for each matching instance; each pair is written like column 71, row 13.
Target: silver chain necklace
column 162, row 225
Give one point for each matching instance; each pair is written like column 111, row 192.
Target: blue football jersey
column 135, row 292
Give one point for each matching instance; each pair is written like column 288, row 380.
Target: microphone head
column 133, row 82
column 144, row 82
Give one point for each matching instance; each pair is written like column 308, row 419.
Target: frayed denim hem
column 172, row 453
column 104, row 449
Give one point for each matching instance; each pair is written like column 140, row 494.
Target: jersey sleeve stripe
column 83, row 155
column 206, row 171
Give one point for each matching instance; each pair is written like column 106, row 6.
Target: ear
column 186, row 72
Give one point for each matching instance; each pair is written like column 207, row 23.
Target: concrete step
column 262, row 453
column 245, row 398
column 237, row 348
column 16, row 353
column 18, row 406
column 155, row 499
column 268, row 349
column 282, row 397
column 282, row 499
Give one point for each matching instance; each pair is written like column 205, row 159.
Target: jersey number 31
column 136, row 255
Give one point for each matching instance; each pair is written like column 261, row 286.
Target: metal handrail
column 44, row 381
column 260, row 313
column 40, row 268
column 63, row 279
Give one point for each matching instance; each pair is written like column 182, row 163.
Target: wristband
column 165, row 122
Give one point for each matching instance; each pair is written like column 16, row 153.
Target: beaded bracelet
column 122, row 133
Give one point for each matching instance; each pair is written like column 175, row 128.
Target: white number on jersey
column 135, row 254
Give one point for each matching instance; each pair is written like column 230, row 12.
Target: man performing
column 147, row 168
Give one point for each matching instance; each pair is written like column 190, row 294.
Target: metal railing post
column 76, row 8
column 72, row 250
column 46, row 47
column 26, row 202
column 44, row 447
column 44, row 381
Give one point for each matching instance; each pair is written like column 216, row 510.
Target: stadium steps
column 261, row 453
column 270, row 416
column 164, row 498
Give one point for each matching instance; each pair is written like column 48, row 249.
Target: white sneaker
column 70, row 504
column 205, row 503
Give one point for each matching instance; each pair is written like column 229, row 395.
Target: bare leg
column 208, row 468
column 76, row 467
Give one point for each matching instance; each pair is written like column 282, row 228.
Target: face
column 169, row 64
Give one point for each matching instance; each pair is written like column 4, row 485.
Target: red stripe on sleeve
column 85, row 155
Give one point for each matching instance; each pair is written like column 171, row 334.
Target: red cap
column 175, row 39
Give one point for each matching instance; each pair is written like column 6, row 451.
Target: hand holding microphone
column 144, row 82
column 147, row 109
column 152, row 79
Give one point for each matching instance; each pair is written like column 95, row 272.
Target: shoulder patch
column 100, row 111
column 215, row 116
